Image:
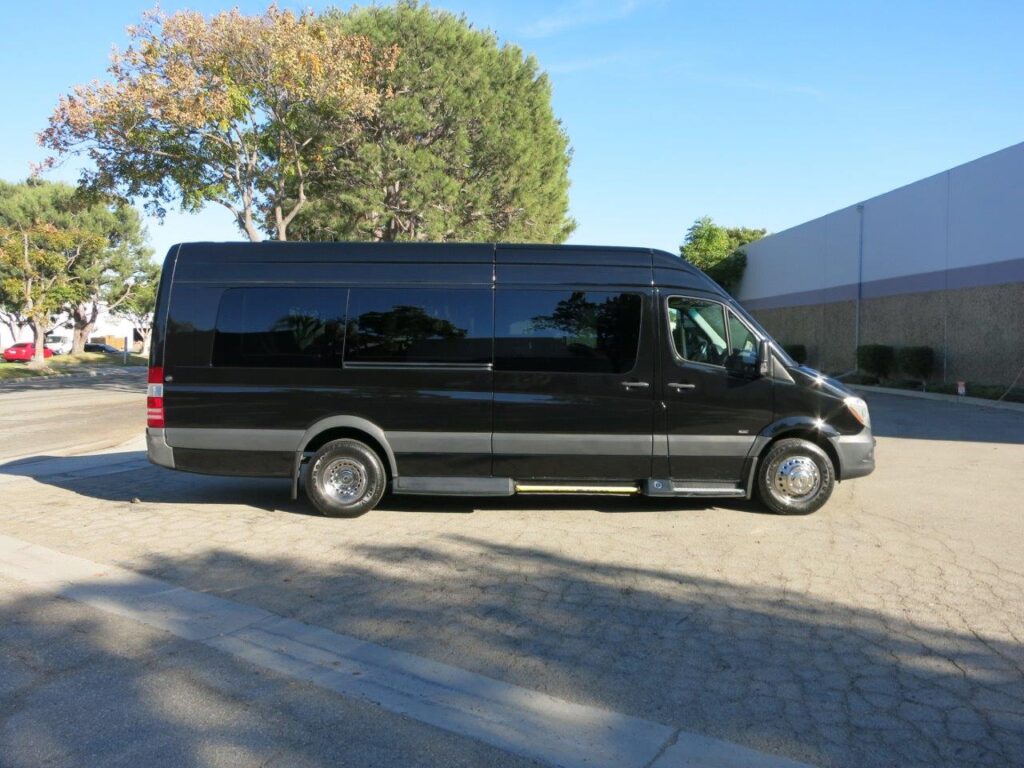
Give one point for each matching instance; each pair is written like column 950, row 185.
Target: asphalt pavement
column 72, row 414
column 884, row 630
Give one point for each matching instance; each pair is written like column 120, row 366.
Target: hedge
column 916, row 362
column 797, row 351
column 876, row 359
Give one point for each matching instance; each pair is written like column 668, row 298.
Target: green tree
column 98, row 276
column 464, row 144
column 233, row 109
column 718, row 251
column 36, row 260
column 140, row 303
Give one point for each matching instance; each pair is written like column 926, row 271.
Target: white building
column 108, row 326
column 937, row 263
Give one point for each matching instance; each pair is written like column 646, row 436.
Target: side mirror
column 764, row 359
column 743, row 364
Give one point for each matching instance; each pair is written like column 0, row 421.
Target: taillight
column 155, row 398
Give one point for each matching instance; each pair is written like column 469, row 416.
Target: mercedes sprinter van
column 476, row 370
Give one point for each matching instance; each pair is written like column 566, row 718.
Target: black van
column 484, row 370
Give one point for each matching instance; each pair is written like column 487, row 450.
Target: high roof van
column 484, row 370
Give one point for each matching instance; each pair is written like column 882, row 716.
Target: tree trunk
column 147, row 335
column 39, row 339
column 84, row 317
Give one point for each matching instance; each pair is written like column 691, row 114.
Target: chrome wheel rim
column 795, row 478
column 344, row 480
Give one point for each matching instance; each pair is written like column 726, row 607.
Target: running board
column 589, row 488
column 504, row 486
column 721, row 493
column 693, row 489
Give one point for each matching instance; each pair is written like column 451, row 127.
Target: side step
column 618, row 489
column 505, row 486
column 693, row 489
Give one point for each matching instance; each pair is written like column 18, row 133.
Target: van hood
column 812, row 377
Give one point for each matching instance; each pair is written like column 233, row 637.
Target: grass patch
column 66, row 363
column 59, row 364
column 10, row 371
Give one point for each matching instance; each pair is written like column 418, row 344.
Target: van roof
column 498, row 253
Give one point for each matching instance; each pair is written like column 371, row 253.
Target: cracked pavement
column 885, row 630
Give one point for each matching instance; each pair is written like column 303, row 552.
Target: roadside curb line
column 939, row 396
column 87, row 374
column 100, row 450
column 515, row 719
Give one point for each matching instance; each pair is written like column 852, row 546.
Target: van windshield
column 740, row 310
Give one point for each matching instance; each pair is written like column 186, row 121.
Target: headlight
column 859, row 409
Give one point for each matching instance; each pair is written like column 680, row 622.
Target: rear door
column 712, row 416
column 573, row 382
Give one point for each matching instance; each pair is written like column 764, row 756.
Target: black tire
column 785, row 471
column 346, row 479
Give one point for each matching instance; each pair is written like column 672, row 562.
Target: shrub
column 729, row 271
column 876, row 359
column 917, row 362
column 797, row 351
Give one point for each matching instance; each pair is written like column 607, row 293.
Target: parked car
column 481, row 370
column 24, row 352
column 61, row 345
column 105, row 348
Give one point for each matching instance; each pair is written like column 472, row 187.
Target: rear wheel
column 796, row 477
column 346, row 479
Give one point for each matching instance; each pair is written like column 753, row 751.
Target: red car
column 24, row 352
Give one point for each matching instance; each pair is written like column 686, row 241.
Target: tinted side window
column 577, row 331
column 742, row 341
column 280, row 327
column 698, row 329
column 419, row 325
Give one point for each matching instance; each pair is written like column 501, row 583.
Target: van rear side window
column 397, row 326
column 569, row 331
column 280, row 328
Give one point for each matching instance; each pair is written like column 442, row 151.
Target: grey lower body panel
column 159, row 452
column 454, row 486
column 207, row 439
column 856, row 454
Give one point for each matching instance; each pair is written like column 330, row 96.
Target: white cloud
column 582, row 13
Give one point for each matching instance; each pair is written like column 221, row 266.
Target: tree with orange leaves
column 237, row 110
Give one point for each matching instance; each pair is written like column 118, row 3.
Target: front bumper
column 856, row 454
column 159, row 451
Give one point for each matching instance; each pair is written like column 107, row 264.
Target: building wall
column 937, row 263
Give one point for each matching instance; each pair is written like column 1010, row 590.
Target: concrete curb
column 106, row 370
column 979, row 401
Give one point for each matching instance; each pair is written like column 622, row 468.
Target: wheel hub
column 344, row 480
column 797, row 477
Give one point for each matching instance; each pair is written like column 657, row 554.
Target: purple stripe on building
column 993, row 273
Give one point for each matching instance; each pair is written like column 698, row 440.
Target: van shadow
column 101, row 476
column 768, row 667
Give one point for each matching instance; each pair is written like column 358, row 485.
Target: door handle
column 635, row 384
column 677, row 385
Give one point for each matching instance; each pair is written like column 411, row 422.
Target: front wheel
column 346, row 479
column 796, row 477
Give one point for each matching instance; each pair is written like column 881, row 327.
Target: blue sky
column 756, row 113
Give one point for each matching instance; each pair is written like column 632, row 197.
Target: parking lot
column 885, row 630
